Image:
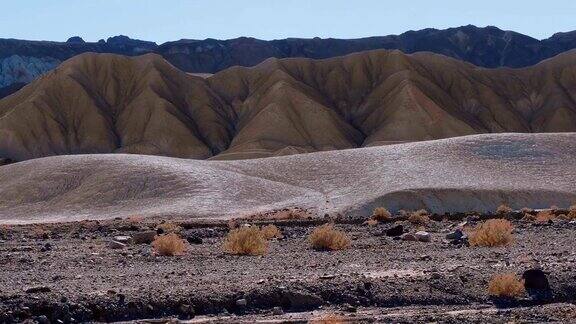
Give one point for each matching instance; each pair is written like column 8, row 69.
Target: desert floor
column 70, row 272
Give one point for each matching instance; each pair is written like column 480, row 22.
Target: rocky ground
column 87, row 271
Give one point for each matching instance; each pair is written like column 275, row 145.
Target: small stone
column 144, row 237
column 122, row 238
column 409, row 237
column 38, row 289
column 116, row 245
column 423, row 236
column 42, row 319
column 395, row 231
column 277, row 311
column 241, row 302
column 328, row 276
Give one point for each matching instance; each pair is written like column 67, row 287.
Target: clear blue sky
column 166, row 20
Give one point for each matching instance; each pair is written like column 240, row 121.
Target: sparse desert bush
column 283, row 214
column 507, row 285
column 544, row 216
column 503, row 209
column 493, row 232
column 381, row 214
column 328, row 319
column 271, row 231
column 419, row 217
column 526, row 210
column 554, row 208
column 326, row 237
column 371, row 222
column 169, row 245
column 169, row 227
column 245, row 241
column 572, row 212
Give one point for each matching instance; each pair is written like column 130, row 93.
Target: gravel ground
column 69, row 272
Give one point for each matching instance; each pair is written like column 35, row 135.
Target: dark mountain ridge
column 22, row 61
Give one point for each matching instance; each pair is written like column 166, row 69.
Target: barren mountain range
column 21, row 61
column 105, row 103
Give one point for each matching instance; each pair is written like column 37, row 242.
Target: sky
column 167, row 20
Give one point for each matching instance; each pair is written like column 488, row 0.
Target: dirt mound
column 104, row 103
column 459, row 174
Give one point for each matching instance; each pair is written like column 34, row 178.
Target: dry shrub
column 381, row 214
column 493, row 232
column 503, row 209
column 371, row 222
column 326, row 237
column 554, row 208
column 169, row 244
column 40, row 232
column 403, row 213
column 329, row 319
column 246, row 241
column 572, row 212
column 135, row 219
column 284, row 214
column 271, row 231
column 544, row 216
column 507, row 285
column 526, row 210
column 419, row 217
column 169, row 227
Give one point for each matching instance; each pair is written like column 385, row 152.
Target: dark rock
column 537, row 285
column 144, row 237
column 395, row 231
column 193, row 239
column 42, row 319
column 302, row 300
column 456, row 235
column 38, row 289
column 277, row 311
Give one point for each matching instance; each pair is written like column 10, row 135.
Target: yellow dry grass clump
column 245, row 241
column 572, row 212
column 381, row 214
column 507, row 285
column 371, row 222
column 169, row 245
column 503, row 209
column 271, row 231
column 419, row 217
column 328, row 319
column 493, row 232
column 326, row 237
column 544, row 216
column 169, row 227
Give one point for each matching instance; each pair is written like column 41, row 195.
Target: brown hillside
column 98, row 103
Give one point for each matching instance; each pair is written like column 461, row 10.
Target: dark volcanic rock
column 487, row 47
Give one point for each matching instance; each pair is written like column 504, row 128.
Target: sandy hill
column 104, row 103
column 476, row 172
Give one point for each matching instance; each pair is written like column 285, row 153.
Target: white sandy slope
column 459, row 174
